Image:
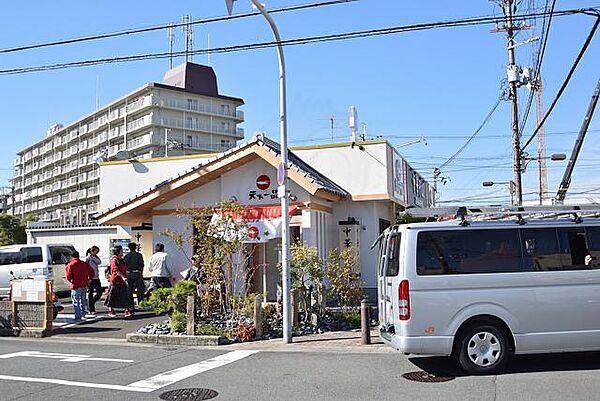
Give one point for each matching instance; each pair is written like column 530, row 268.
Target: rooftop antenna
column 188, row 31
column 97, row 92
column 171, row 37
column 353, row 119
column 331, row 125
column 208, row 49
column 363, row 136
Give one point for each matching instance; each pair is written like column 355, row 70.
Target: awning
column 254, row 213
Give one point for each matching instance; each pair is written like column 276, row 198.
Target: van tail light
column 404, row 300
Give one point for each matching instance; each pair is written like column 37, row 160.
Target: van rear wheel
column 482, row 349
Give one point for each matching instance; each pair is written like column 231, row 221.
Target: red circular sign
column 263, row 182
column 252, row 232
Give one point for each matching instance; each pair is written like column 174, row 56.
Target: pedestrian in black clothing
column 94, row 287
column 135, row 269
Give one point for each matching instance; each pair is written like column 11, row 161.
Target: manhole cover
column 189, row 394
column 425, row 377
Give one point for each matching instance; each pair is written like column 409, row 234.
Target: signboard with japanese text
column 398, row 182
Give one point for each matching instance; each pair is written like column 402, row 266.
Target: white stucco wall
column 123, row 180
column 179, row 258
column 81, row 238
column 360, row 172
column 368, row 215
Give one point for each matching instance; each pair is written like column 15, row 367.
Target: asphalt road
column 53, row 369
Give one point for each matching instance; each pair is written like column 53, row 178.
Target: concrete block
column 191, row 341
column 142, row 338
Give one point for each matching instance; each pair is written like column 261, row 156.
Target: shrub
column 180, row 293
column 351, row 317
column 244, row 305
column 160, row 301
column 178, row 321
column 246, row 332
column 209, row 330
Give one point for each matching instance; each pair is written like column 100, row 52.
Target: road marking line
column 143, row 386
column 76, row 384
column 175, row 375
column 62, row 357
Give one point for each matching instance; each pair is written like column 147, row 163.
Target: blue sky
column 439, row 84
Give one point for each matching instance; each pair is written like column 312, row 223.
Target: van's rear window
column 468, row 251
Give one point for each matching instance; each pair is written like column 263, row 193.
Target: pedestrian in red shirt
column 118, row 294
column 79, row 274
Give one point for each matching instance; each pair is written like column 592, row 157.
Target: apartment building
column 57, row 178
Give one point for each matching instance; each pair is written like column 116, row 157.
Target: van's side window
column 393, row 264
column 468, row 252
column 32, row 254
column 573, row 248
column 540, row 249
column 593, row 235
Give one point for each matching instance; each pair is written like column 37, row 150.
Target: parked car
column 35, row 260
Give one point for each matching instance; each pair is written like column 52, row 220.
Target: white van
column 48, row 261
column 482, row 291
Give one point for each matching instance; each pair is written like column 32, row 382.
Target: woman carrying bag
column 118, row 294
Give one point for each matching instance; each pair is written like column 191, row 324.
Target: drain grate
column 425, row 377
column 189, row 394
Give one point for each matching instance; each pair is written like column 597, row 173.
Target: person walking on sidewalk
column 135, row 268
column 79, row 274
column 160, row 269
column 95, row 287
column 118, row 294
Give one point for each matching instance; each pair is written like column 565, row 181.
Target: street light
column 511, row 187
column 282, row 190
column 526, row 160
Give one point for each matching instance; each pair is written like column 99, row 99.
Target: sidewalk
column 335, row 341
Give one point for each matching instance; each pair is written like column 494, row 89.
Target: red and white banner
column 263, row 222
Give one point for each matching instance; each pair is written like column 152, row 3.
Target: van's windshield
column 60, row 255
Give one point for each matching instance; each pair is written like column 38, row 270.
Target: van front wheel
column 482, row 349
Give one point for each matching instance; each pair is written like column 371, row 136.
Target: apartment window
column 188, row 141
column 192, row 104
column 225, row 143
column 225, row 126
column 225, row 109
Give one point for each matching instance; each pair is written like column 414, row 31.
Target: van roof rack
column 462, row 212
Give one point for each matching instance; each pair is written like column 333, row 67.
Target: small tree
column 307, row 274
column 12, row 229
column 342, row 272
column 219, row 249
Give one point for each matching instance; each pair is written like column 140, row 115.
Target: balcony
column 140, row 122
column 138, row 104
column 144, row 140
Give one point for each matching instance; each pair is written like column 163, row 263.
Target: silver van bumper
column 426, row 345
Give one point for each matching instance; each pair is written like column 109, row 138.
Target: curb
column 177, row 340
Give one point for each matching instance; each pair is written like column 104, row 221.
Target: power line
column 569, row 75
column 167, row 26
column 483, row 124
column 289, row 42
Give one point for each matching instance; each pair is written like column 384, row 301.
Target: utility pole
column 512, row 71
